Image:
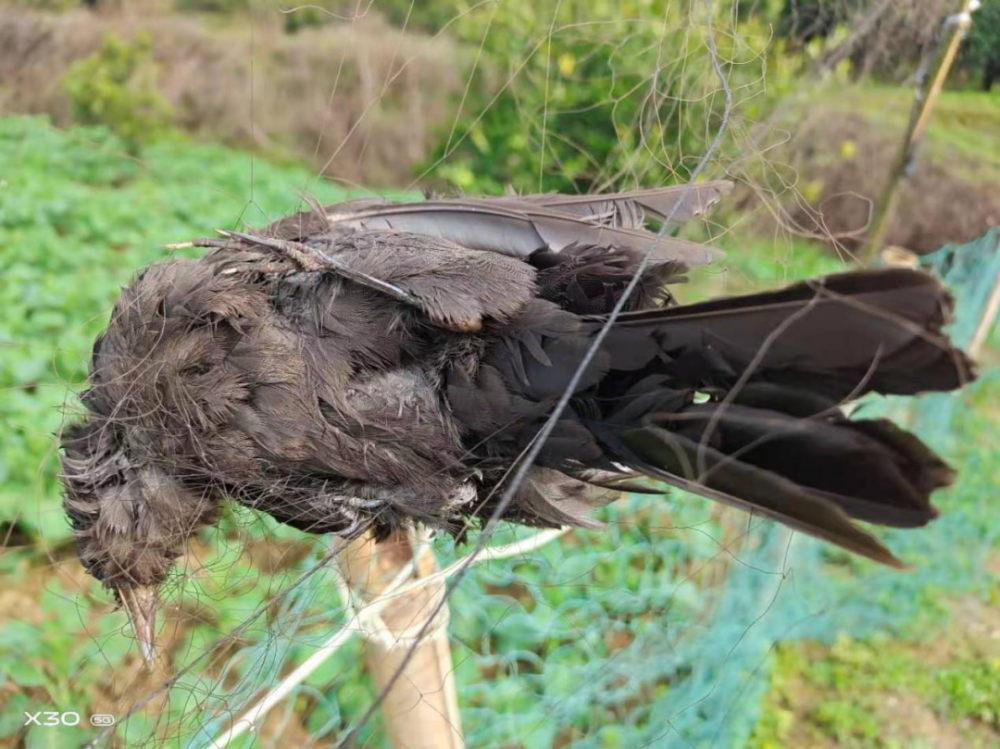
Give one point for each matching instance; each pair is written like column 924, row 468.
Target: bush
column 116, row 87
column 576, row 97
column 378, row 126
column 981, row 50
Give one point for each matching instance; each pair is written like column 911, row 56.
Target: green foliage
column 846, row 721
column 53, row 665
column 305, row 17
column 843, row 693
column 116, row 87
column 981, row 49
column 971, row 689
column 802, row 21
column 294, row 17
column 575, row 96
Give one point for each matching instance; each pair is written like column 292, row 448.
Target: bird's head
column 131, row 520
column 141, row 471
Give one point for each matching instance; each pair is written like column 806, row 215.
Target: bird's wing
column 473, row 245
column 629, row 210
column 516, row 228
column 456, row 287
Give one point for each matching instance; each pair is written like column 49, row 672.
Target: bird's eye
column 196, row 370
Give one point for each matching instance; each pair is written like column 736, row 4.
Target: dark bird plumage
column 370, row 363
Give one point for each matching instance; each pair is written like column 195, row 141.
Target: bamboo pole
column 931, row 76
column 421, row 709
column 986, row 322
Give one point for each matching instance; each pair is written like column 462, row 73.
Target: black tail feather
column 872, row 470
column 681, row 462
column 840, row 336
column 774, row 366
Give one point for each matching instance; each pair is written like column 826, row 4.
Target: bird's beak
column 140, row 604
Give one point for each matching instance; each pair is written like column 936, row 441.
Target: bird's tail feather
column 842, row 336
column 814, row 475
column 773, row 367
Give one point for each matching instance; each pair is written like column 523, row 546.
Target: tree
column 981, row 52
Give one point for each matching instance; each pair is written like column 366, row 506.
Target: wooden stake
column 930, row 80
column 986, row 322
column 421, row 709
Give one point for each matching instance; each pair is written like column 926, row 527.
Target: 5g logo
column 69, row 719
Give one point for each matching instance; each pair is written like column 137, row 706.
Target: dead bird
column 371, row 363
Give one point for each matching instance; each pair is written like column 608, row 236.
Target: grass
column 963, row 123
column 884, row 692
